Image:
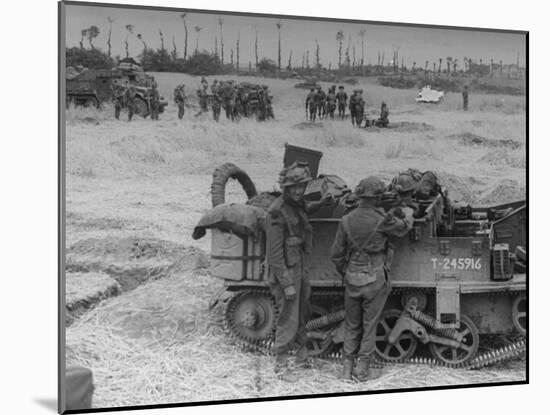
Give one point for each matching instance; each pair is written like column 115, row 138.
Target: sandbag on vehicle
column 244, row 220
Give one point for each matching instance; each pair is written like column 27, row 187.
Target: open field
column 136, row 190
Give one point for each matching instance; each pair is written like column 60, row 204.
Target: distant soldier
column 465, row 98
column 204, row 83
column 228, row 97
column 383, row 121
column 130, row 100
column 269, row 107
column 311, row 104
column 361, row 255
column 356, row 107
column 214, row 87
column 216, row 103
column 118, row 99
column 155, row 102
column 243, row 95
column 331, row 102
column 179, row 99
column 202, row 94
column 342, row 99
column 321, row 100
column 254, row 102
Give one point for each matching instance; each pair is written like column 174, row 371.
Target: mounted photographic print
column 258, row 206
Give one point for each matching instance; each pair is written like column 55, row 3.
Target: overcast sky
column 415, row 44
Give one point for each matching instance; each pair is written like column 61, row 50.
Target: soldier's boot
column 281, row 363
column 367, row 369
column 302, row 358
column 347, row 370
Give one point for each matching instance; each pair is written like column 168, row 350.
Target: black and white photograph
column 267, row 206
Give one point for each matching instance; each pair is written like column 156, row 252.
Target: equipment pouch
column 360, row 270
column 293, row 248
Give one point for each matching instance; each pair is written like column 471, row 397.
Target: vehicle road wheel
column 405, row 345
column 519, row 314
column 140, row 107
column 458, row 355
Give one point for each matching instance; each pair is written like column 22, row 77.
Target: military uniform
column 321, row 101
column 203, row 100
column 155, row 103
column 342, row 99
column 383, row 121
column 331, row 103
column 356, row 108
column 216, row 103
column 129, row 98
column 118, row 100
column 289, row 239
column 179, row 99
column 465, row 99
column 362, row 257
column 311, row 105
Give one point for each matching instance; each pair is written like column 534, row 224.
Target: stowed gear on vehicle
column 459, row 274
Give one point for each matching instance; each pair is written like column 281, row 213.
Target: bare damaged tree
column 161, row 40
column 307, row 59
column 238, row 47
column 449, row 62
column 216, row 47
column 110, row 20
column 198, row 30
column 289, row 66
column 83, row 34
column 279, row 25
column 130, row 30
column 395, row 58
column 340, row 39
column 362, row 33
column 353, row 54
column 440, row 62
column 174, row 49
column 182, row 16
column 256, row 48
column 347, row 61
column 140, row 37
column 317, row 61
column 93, row 32
column 231, row 58
column 220, row 23
column 303, row 60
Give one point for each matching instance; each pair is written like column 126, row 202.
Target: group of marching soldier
column 323, row 105
column 237, row 100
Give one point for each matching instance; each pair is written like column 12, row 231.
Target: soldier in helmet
column 289, row 238
column 321, row 101
column 130, row 98
column 118, row 98
column 179, row 99
column 361, row 256
column 331, row 102
column 404, row 186
column 342, row 99
column 155, row 101
column 311, row 104
column 356, row 107
column 383, row 121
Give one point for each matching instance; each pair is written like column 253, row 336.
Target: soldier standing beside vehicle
column 179, row 99
column 289, row 238
column 342, row 99
column 361, row 255
column 129, row 99
column 155, row 102
column 118, row 99
column 465, row 98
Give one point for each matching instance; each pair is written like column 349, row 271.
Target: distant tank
column 92, row 87
column 460, row 273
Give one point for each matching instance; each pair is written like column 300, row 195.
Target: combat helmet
column 296, row 173
column 403, row 183
column 372, row 186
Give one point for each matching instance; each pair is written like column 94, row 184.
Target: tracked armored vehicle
column 460, row 273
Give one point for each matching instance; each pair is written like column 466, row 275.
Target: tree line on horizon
column 214, row 61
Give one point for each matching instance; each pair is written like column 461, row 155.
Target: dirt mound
column 84, row 290
column 505, row 191
column 410, row 127
column 470, row 139
column 308, row 125
column 502, row 157
column 84, row 222
column 131, row 260
column 461, row 189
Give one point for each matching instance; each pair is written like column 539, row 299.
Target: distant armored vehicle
column 92, row 87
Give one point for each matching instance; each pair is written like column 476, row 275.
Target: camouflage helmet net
column 372, row 186
column 296, row 173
